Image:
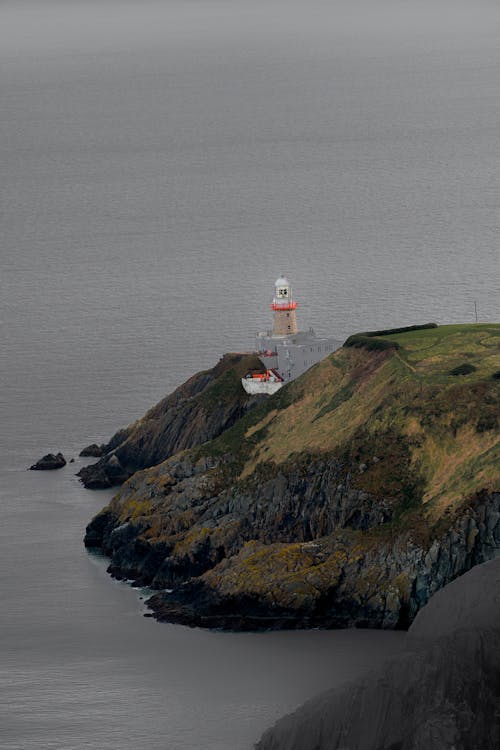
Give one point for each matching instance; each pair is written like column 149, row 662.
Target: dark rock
column 99, row 528
column 94, row 477
column 108, row 472
column 443, row 695
column 94, row 451
column 49, row 462
column 195, row 605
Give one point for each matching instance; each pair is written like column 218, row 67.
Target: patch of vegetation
column 365, row 339
column 344, row 394
column 487, row 422
column 292, row 575
column 227, row 386
column 464, row 369
column 234, row 440
column 372, row 344
column 239, row 439
column 286, row 395
column 431, row 354
column 384, row 458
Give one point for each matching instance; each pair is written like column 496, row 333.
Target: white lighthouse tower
column 285, row 351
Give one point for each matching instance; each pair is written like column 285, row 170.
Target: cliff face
column 197, row 411
column 443, row 692
column 349, row 497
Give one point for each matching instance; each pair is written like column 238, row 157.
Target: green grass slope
column 362, row 404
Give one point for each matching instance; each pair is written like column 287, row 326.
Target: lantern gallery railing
column 283, row 305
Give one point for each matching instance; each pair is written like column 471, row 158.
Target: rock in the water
column 49, row 462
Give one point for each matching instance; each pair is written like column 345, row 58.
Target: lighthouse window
column 288, row 315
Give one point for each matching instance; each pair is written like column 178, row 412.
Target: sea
column 162, row 162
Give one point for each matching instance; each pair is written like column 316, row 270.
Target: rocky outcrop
column 199, row 410
column 49, row 462
column 332, row 582
column 106, row 473
column 98, row 451
column 285, row 550
column 301, row 503
column 93, row 451
column 442, row 692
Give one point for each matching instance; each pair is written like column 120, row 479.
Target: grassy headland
column 324, row 504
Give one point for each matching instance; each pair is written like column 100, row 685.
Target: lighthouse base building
column 285, row 351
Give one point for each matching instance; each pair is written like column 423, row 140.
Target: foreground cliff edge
column 349, row 497
column 442, row 692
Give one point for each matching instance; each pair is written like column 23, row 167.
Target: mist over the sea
column 161, row 164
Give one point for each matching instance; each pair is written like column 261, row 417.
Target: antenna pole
column 475, row 309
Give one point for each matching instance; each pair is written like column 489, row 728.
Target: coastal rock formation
column 49, row 462
column 93, row 451
column 248, row 562
column 442, row 692
column 349, row 497
column 106, row 473
column 197, row 411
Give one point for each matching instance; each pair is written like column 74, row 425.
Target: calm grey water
column 161, row 164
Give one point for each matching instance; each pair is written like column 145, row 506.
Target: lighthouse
column 284, row 307
column 285, row 352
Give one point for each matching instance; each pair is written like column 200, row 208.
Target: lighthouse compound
column 285, row 351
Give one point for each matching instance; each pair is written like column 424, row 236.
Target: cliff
column 349, row 497
column 442, row 692
column 197, row 411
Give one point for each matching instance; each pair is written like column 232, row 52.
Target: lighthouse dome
column 283, row 290
column 282, row 281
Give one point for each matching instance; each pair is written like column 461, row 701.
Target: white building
column 285, row 351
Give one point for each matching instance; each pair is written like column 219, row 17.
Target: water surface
column 162, row 164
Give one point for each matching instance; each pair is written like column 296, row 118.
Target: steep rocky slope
column 442, row 692
column 197, row 411
column 348, row 497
